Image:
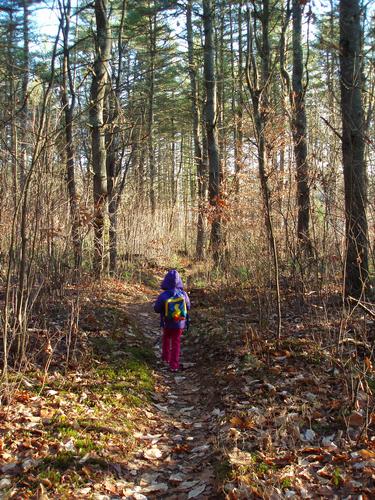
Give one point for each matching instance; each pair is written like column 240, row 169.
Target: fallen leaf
column 156, row 487
column 196, row 491
column 356, row 419
column 5, row 483
column 87, row 471
column 152, row 454
column 368, row 364
column 181, row 448
column 366, row 453
column 41, row 493
column 176, row 478
column 22, row 396
column 188, row 484
column 242, row 422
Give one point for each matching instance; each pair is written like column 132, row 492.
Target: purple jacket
column 171, row 284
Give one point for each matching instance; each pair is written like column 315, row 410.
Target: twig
column 331, row 127
column 363, row 306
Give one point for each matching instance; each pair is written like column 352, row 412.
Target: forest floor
column 248, row 417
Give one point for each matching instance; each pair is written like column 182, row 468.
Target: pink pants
column 171, row 347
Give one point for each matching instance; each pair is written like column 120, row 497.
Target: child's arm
column 187, row 300
column 159, row 304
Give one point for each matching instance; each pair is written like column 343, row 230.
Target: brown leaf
column 87, row 471
column 367, row 453
column 324, row 473
column 335, row 404
column 41, row 493
column 152, row 453
column 181, row 448
column 47, row 412
column 242, row 422
column 110, row 486
column 25, row 445
column 48, row 347
column 368, row 364
column 311, row 449
column 46, row 482
column 340, row 457
column 22, row 396
column 356, row 419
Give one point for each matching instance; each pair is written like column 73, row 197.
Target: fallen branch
column 363, row 305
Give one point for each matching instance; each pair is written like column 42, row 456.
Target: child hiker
column 172, row 304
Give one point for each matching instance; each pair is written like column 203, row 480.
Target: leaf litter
column 250, row 418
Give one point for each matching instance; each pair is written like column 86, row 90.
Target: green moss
column 134, row 401
column 104, row 345
column 337, row 477
column 223, row 470
column 242, row 273
column 249, row 361
column 145, row 354
column 52, row 475
column 124, row 376
column 62, row 461
column 66, row 431
column 286, row 483
column 86, row 444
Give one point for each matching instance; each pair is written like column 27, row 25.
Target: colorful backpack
column 175, row 307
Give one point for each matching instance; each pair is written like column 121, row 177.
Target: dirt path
column 177, row 459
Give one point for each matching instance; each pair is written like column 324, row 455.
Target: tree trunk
column 24, row 91
column 237, row 102
column 151, row 91
column 139, row 161
column 258, row 85
column 211, row 131
column 13, row 100
column 111, row 143
column 220, row 89
column 97, row 98
column 299, row 130
column 353, row 147
column 201, row 174
column 68, row 108
column 113, row 164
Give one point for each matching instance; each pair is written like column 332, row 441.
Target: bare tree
column 24, row 90
column 97, row 103
column 68, row 99
column 258, row 81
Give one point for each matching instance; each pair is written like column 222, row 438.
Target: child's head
column 171, row 280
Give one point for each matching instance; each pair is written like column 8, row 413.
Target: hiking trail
column 176, row 461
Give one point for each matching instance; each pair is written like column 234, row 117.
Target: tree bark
column 299, row 130
column 24, row 92
column 68, row 108
column 353, row 148
column 211, row 131
column 151, row 91
column 111, row 143
column 113, row 164
column 258, row 85
column 97, row 103
column 237, row 101
column 198, row 156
